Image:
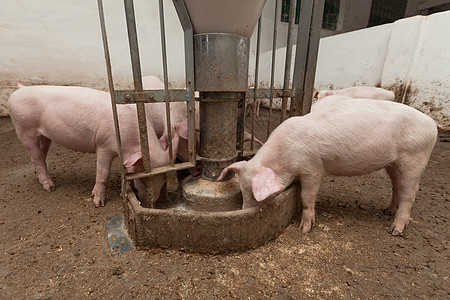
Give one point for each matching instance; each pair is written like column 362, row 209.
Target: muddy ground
column 54, row 245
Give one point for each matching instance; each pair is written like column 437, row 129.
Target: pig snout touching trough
column 359, row 92
column 348, row 137
column 80, row 119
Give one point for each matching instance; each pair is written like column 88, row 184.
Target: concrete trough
column 210, row 232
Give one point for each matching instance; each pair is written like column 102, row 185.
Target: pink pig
column 81, row 119
column 359, row 92
column 344, row 137
column 178, row 114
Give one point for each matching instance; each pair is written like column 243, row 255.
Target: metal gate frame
column 308, row 37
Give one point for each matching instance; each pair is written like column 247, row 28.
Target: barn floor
column 54, row 245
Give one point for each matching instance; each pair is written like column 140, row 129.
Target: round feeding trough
column 210, row 232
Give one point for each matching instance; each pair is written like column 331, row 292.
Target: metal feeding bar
column 308, row 36
column 141, row 97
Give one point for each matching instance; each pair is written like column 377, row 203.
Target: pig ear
column 237, row 166
column 131, row 161
column 163, row 142
column 183, row 129
column 264, row 184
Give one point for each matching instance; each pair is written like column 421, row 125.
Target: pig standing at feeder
column 81, row 119
column 343, row 137
column 360, row 92
column 178, row 114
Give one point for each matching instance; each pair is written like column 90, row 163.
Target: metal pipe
column 272, row 70
column 189, row 66
column 255, row 88
column 166, row 80
column 111, row 91
column 313, row 45
column 221, row 72
column 287, row 66
column 306, row 55
column 140, row 103
column 301, row 56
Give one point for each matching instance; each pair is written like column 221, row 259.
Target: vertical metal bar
column 258, row 46
column 189, row 65
column 272, row 70
column 316, row 26
column 111, row 91
column 166, row 80
column 313, row 49
column 287, row 66
column 140, row 105
column 301, row 55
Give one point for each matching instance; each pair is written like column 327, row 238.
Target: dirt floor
column 54, row 245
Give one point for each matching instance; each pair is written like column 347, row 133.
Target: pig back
column 70, row 116
column 358, row 136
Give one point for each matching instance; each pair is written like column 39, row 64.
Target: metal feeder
column 217, row 34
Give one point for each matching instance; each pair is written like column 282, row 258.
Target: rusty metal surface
column 308, row 37
column 111, row 90
column 287, row 65
column 218, row 131
column 189, row 67
column 160, row 170
column 118, row 238
column 137, row 80
column 212, row 232
column 272, row 70
column 255, row 88
column 166, row 80
column 221, row 62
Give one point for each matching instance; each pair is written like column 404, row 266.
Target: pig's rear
column 67, row 115
column 360, row 136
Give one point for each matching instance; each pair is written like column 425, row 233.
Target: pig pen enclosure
column 55, row 245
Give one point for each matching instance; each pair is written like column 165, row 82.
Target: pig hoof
column 99, row 202
column 395, row 232
column 49, row 187
column 305, row 227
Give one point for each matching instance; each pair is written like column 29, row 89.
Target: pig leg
column 37, row 155
column 395, row 177
column 44, row 144
column 310, row 186
column 104, row 160
column 407, row 186
column 405, row 179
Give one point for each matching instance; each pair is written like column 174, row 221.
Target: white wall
column 59, row 42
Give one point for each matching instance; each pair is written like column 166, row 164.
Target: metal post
column 166, row 80
column 140, row 103
column 189, row 66
column 272, row 70
column 111, row 91
column 308, row 38
column 287, row 66
column 258, row 46
column 221, row 70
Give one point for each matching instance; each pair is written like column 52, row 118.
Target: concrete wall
column 410, row 56
column 59, row 42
